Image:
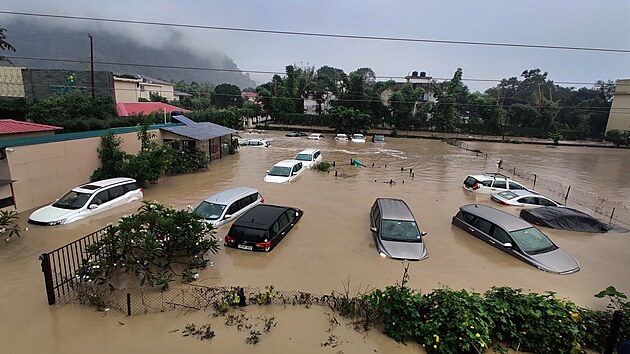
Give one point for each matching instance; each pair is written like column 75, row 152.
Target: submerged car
column 316, row 137
column 255, row 142
column 284, row 171
column 309, row 157
column 358, row 138
column 489, row 183
column 86, row 200
column 228, row 205
column 515, row 237
column 567, row 219
column 522, row 197
column 378, row 139
column 396, row 233
column 295, row 134
column 341, row 137
column 262, row 227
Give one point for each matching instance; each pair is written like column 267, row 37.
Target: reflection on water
column 332, row 242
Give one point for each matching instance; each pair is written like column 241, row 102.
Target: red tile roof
column 10, row 126
column 137, row 108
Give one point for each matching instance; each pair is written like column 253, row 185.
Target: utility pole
column 92, row 63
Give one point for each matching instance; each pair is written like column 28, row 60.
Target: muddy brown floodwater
column 331, row 243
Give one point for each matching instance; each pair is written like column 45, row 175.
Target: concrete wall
column 11, row 84
column 126, row 92
column 44, row 172
column 619, row 117
column 40, row 84
column 25, row 135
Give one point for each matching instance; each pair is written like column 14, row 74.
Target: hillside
column 32, row 39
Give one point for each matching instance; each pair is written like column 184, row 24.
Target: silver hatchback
column 228, row 205
column 396, row 233
column 516, row 237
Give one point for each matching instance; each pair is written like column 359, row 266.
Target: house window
column 141, row 88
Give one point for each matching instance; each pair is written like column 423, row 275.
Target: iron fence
column 61, row 267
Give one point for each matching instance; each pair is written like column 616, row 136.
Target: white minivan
column 228, row 205
column 284, row 171
column 309, row 157
column 88, row 199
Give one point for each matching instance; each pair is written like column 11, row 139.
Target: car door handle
column 492, row 242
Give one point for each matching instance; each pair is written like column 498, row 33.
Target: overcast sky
column 575, row 23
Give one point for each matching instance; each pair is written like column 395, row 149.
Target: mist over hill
column 43, row 40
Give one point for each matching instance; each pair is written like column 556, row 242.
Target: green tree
column 4, row 45
column 402, row 105
column 445, row 112
column 346, row 120
column 227, row 95
column 111, row 156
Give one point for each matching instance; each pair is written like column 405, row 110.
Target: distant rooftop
column 10, row 126
column 138, row 108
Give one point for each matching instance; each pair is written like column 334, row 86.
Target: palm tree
column 4, row 45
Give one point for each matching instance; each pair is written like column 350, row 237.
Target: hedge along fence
column 443, row 320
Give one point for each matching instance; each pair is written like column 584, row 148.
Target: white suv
column 489, row 183
column 309, row 157
column 228, row 205
column 86, row 200
column 284, row 171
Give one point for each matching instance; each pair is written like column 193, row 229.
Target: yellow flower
column 477, row 335
column 472, row 327
column 559, row 321
column 483, row 345
column 437, row 338
column 436, row 306
column 434, row 346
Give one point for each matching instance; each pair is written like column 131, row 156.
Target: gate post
column 48, row 280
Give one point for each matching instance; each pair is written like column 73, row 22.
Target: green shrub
column 323, row 166
column 189, row 160
column 151, row 244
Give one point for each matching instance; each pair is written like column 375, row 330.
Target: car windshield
column 304, row 157
column 379, row 138
column 357, row 136
column 72, row 200
column 395, row 230
column 508, row 195
column 532, row 241
column 280, row 171
column 209, row 211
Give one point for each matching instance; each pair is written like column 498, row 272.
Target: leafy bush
column 8, row 223
column 323, row 166
column 189, row 160
column 618, row 137
column 152, row 244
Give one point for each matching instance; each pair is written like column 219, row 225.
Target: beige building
column 128, row 90
column 619, row 117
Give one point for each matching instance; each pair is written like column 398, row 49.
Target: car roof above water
column 394, row 209
column 96, row 185
column 228, row 195
column 262, row 216
column 506, row 220
column 287, row 163
column 308, row 151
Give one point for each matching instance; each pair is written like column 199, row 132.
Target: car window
column 100, row 198
column 397, row 230
column 276, row 227
column 532, row 241
column 514, row 185
column 529, row 200
column 116, row 192
column 72, row 200
column 487, row 183
column 246, row 233
column 499, row 184
column 470, row 181
column 545, row 202
column 469, row 218
column 501, row 235
column 233, row 208
column 291, row 214
column 209, row 210
column 284, row 220
column 131, row 187
column 483, row 225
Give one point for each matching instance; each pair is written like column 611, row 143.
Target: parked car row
column 356, row 138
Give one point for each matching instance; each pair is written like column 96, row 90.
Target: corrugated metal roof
column 72, row 136
column 10, row 126
column 200, row 131
column 183, row 119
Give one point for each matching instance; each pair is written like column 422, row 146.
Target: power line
column 315, row 34
column 198, row 68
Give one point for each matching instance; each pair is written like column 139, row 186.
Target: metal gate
column 61, row 266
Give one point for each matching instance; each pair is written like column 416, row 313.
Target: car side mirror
column 267, row 172
column 227, row 217
column 373, row 229
column 423, row 233
column 93, row 206
column 507, row 245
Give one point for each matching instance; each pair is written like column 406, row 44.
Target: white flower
column 26, row 229
column 2, row 230
column 196, row 275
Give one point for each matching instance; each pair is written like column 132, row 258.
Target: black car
column 262, row 227
column 295, row 134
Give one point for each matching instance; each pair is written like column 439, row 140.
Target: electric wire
column 315, row 34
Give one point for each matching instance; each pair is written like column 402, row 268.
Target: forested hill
column 32, row 39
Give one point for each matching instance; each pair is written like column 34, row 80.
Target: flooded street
column 331, row 243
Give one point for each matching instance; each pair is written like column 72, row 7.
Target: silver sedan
column 523, row 198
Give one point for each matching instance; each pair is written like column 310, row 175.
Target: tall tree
column 226, row 95
column 4, row 45
column 402, row 104
column 445, row 112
